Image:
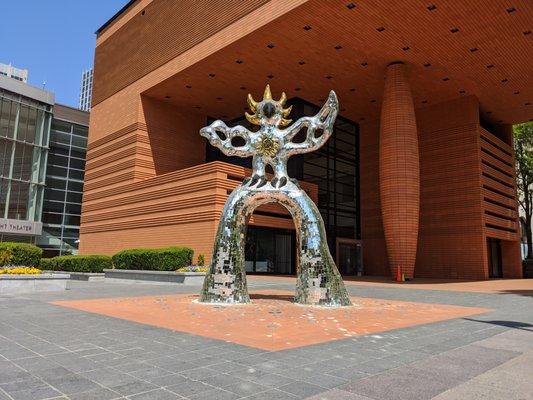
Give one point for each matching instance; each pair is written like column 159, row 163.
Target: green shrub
column 47, row 264
column 20, row 254
column 77, row 263
column 167, row 259
column 6, row 257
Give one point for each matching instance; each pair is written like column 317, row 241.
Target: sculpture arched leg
column 225, row 281
column 318, row 280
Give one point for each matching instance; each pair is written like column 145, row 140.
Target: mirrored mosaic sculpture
column 318, row 280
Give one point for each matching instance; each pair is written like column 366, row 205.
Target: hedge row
column 19, row 255
column 77, row 263
column 167, row 259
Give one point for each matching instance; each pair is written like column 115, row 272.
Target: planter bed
column 17, row 284
column 158, row 277
column 82, row 276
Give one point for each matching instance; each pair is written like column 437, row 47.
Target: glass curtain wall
column 64, row 188
column 24, row 134
column 335, row 170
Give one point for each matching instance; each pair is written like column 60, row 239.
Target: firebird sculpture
column 318, row 280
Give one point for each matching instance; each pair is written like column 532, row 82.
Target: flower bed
column 20, row 271
column 193, row 268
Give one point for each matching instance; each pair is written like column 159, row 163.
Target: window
column 79, row 141
column 75, row 186
column 65, row 175
column 75, row 174
column 61, row 126
column 58, row 160
column 54, row 194
column 76, row 163
column 72, row 220
column 59, row 137
column 57, row 171
column 52, row 218
column 73, row 197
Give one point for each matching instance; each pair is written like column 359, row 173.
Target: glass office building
column 64, row 182
column 86, row 90
column 42, row 162
column 25, row 118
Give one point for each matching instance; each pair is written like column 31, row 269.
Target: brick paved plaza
column 139, row 341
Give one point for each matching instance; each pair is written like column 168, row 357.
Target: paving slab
column 50, row 350
column 510, row 381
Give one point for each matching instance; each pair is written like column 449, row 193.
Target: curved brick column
column 399, row 171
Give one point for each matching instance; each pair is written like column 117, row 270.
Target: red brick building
column 419, row 172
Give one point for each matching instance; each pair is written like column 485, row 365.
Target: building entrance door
column 494, row 247
column 349, row 257
column 270, row 251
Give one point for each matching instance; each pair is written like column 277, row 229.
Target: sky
column 54, row 40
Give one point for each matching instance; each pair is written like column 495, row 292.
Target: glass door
column 349, row 257
column 495, row 258
column 269, row 251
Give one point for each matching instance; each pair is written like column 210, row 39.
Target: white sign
column 18, row 227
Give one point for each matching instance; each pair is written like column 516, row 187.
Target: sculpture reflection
column 318, row 280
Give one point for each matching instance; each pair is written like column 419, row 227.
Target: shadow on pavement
column 509, row 324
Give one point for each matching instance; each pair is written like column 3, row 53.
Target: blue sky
column 53, row 39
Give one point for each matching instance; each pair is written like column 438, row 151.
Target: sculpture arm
column 220, row 135
column 324, row 120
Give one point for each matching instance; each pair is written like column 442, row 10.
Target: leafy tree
column 523, row 143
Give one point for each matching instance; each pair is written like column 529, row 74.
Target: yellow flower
column 20, row 271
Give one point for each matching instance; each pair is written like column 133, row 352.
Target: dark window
column 73, row 197
column 51, row 218
column 53, row 206
column 56, row 183
column 56, row 171
column 72, row 220
column 78, row 164
column 54, row 194
column 75, row 186
column 54, row 159
column 73, row 208
column 75, row 174
column 61, row 126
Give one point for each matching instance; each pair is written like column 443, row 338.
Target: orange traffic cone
column 399, row 275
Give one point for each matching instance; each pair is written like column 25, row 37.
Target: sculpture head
column 269, row 112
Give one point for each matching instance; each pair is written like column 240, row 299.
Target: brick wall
column 161, row 32
column 451, row 241
column 450, row 236
column 177, row 208
column 453, row 195
column 375, row 258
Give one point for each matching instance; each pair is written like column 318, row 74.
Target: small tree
column 523, row 143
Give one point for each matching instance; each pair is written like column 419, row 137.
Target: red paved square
column 271, row 322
